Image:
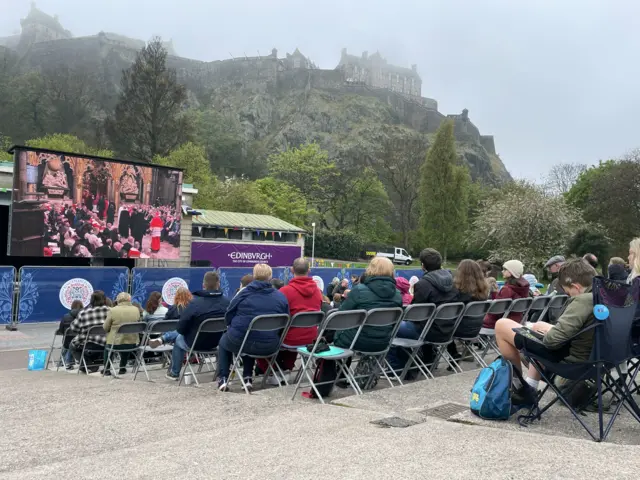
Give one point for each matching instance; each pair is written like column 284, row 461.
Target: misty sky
column 553, row 80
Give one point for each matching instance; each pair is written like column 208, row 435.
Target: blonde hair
column 380, row 267
column 123, row 297
column 617, row 261
column 262, row 271
column 634, row 246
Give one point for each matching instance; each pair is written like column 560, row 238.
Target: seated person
column 515, row 287
column 180, row 301
column 96, row 314
column 258, row 298
column 123, row 312
column 575, row 278
column 154, row 310
column 303, row 295
column 65, row 323
column 207, row 303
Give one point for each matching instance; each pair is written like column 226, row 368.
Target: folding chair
column 93, row 332
column 448, row 318
column 536, row 310
column 488, row 335
column 380, row 318
column 612, row 346
column 468, row 332
column 66, row 335
column 336, row 322
column 556, row 306
column 302, row 320
column 262, row 323
column 208, row 328
column 422, row 314
column 154, row 328
column 138, row 328
column 519, row 305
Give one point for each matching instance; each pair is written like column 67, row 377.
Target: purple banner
column 244, row 254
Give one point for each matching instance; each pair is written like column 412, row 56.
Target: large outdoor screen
column 70, row 205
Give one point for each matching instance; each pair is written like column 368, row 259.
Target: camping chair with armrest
column 212, row 329
column 138, row 328
column 422, row 315
column 468, row 332
column 154, row 328
column 614, row 309
column 302, row 320
column 488, row 335
column 336, row 322
column 278, row 322
column 380, row 318
column 92, row 333
column 448, row 317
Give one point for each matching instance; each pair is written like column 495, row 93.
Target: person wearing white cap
column 515, row 286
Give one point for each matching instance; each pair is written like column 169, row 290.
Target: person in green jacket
column 377, row 291
column 575, row 278
column 123, row 312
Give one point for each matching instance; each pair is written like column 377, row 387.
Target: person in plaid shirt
column 94, row 315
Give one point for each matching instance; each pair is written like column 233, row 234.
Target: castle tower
column 39, row 27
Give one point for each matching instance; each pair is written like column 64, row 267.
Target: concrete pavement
column 61, row 424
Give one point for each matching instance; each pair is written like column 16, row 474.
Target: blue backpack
column 491, row 392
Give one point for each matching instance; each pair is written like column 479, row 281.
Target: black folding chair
column 262, row 323
column 92, row 334
column 138, row 328
column 556, row 306
column 154, row 329
column 336, row 322
column 536, row 309
column 380, row 318
column 612, row 346
column 420, row 314
column 519, row 305
column 209, row 332
column 468, row 332
column 488, row 335
column 302, row 320
column 447, row 317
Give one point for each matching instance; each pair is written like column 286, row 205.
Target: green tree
column 67, row 143
column 308, row 169
column 284, row 201
column 5, row 144
column 444, row 192
column 609, row 195
column 590, row 240
column 193, row 160
column 239, row 195
column 149, row 118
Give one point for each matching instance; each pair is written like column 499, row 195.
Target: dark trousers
column 124, row 356
column 92, row 355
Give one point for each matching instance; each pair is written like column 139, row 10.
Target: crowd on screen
column 260, row 294
column 95, row 229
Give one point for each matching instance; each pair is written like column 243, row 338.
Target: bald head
column 300, row 267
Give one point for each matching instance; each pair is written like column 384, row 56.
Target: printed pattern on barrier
column 7, row 277
column 166, row 281
column 46, row 293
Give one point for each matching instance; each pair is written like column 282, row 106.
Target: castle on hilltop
column 44, row 43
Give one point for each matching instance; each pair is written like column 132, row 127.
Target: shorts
column 539, row 350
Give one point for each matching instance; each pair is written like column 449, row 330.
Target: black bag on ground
column 326, row 371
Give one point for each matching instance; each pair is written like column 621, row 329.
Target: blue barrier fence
column 45, row 294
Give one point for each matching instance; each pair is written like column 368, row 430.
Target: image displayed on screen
column 72, row 206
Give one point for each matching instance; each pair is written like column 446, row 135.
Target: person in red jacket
column 303, row 295
column 514, row 287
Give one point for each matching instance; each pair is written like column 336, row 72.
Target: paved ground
column 63, row 424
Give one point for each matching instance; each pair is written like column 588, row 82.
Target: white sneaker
column 277, row 380
column 155, row 342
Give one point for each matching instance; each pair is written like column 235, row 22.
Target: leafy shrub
column 339, row 245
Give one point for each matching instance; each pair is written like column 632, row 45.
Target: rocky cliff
column 276, row 106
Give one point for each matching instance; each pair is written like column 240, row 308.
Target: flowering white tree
column 526, row 224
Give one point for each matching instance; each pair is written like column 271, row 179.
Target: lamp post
column 313, row 244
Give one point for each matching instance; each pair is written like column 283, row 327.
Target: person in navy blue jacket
column 207, row 303
column 257, row 298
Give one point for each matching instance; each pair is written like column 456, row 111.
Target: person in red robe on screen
column 156, row 230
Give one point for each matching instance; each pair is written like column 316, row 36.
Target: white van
column 396, row 254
